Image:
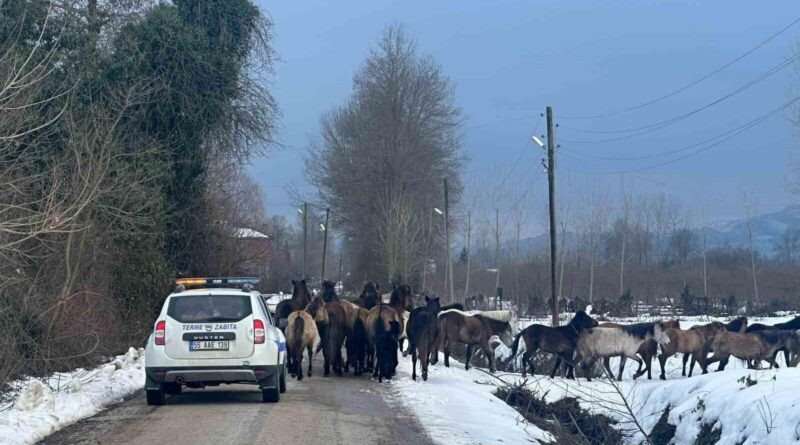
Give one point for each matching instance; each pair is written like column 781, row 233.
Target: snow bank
column 42, row 408
column 748, row 406
column 458, row 407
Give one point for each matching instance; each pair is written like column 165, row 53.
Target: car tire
column 155, row 397
column 283, row 380
column 172, row 388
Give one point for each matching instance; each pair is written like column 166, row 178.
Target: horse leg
column 622, row 361
column 310, row 356
column 639, row 371
column 446, row 352
column 423, row 358
column 686, row 359
column 569, row 364
column 469, row 357
column 489, row 353
column 662, row 360
column 556, row 366
column 526, row 358
column 413, row 362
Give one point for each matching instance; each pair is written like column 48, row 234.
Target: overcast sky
column 510, row 59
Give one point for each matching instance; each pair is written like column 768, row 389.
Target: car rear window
column 209, row 308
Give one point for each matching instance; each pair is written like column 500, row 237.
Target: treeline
column 644, row 250
column 123, row 129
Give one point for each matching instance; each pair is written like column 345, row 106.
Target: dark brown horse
column 423, row 335
column 369, row 297
column 383, row 329
column 402, row 301
column 329, row 291
column 560, row 340
column 332, row 326
column 472, row 330
column 301, row 298
column 791, row 325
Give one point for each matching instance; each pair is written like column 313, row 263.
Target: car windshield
column 209, row 308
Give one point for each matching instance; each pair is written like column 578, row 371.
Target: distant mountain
column 768, row 229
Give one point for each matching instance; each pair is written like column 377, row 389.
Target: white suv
column 212, row 335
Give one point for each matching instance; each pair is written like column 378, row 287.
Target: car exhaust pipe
column 179, row 380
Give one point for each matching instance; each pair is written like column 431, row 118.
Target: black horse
column 791, row 325
column 423, row 335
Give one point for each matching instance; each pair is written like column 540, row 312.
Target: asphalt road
column 318, row 410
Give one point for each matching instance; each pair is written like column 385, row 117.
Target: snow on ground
column 43, row 407
column 766, row 412
column 457, row 406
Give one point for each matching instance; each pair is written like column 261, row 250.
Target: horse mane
column 736, row 324
column 455, row 311
column 504, row 316
column 794, row 324
column 639, row 330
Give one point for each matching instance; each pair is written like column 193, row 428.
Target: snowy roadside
column 40, row 409
column 458, row 407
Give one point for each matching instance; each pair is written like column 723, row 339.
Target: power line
column 691, row 84
column 659, row 125
column 738, row 131
column 519, row 158
column 678, row 150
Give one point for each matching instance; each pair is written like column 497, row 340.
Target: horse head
column 432, row 304
column 402, row 297
column 300, row 291
column 582, row 321
column 329, row 291
column 660, row 333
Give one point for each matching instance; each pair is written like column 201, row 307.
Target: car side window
column 265, row 309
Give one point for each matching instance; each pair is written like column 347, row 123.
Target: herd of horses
column 584, row 340
column 373, row 333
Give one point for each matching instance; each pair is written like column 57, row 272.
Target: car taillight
column 258, row 332
column 161, row 326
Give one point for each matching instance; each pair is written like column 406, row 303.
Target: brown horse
column 301, row 332
column 383, row 330
column 331, row 323
column 748, row 346
column 695, row 342
column 301, row 297
column 560, row 340
column 370, row 296
column 423, row 335
column 472, row 330
column 356, row 341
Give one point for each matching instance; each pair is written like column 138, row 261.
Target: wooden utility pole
column 497, row 258
column 305, row 239
column 551, row 182
column 427, row 246
column 325, row 243
column 449, row 271
column 469, row 247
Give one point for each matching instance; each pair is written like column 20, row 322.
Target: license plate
column 219, row 345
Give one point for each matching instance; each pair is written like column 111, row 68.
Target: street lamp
column 438, row 211
column 537, row 141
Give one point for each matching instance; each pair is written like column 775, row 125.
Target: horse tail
column 515, row 345
column 299, row 327
column 394, row 328
column 378, row 325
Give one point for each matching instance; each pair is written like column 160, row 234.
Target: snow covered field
column 40, row 408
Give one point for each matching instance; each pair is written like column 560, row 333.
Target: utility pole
column 449, row 271
column 427, row 246
column 497, row 257
column 305, row 239
column 325, row 243
column 341, row 258
column 551, row 182
column 469, row 253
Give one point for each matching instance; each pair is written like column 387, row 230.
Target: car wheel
column 283, row 380
column 155, row 397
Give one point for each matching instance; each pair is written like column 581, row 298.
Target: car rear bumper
column 265, row 376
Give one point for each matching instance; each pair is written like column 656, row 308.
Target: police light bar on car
column 195, row 282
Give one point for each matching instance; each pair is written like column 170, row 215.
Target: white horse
column 622, row 341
